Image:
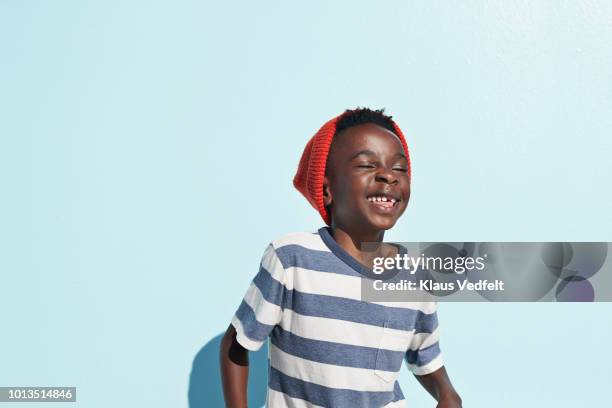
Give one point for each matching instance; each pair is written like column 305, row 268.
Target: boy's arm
column 439, row 386
column 234, row 363
column 259, row 312
column 425, row 360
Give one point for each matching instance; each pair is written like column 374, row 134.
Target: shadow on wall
column 205, row 390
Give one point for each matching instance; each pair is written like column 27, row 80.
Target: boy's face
column 366, row 184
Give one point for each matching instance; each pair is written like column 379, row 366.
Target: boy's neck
column 353, row 243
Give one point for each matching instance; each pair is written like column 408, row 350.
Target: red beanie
column 311, row 170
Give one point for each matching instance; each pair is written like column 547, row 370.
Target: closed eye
column 402, row 169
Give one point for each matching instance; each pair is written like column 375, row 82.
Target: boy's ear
column 327, row 196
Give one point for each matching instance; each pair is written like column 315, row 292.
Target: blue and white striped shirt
column 328, row 347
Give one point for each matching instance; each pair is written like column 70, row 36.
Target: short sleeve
column 424, row 355
column 261, row 307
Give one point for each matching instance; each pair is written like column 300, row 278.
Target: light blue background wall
column 147, row 150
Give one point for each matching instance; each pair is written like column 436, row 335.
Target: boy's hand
column 450, row 401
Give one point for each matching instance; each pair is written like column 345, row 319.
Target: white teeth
column 382, row 199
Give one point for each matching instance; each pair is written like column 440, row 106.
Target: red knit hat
column 311, row 170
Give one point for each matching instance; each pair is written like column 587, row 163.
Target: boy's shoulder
column 294, row 249
column 307, row 240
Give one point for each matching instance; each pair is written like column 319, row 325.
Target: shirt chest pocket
column 391, row 352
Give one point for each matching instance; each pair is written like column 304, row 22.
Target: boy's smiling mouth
column 383, row 202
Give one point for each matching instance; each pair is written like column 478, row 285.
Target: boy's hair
column 309, row 177
column 360, row 116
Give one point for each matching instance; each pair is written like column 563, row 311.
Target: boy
column 328, row 347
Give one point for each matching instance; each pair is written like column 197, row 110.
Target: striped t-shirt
column 328, row 348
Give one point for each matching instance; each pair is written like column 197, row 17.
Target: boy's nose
column 386, row 176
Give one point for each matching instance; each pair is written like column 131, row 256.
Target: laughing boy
column 328, row 348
